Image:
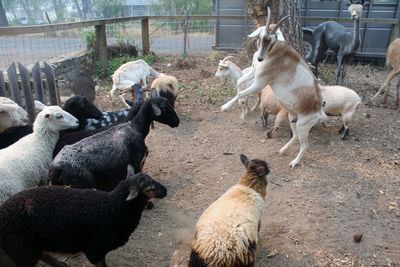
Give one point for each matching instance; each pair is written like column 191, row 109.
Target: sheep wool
column 227, row 231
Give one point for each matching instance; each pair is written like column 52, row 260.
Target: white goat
column 130, row 73
column 292, row 81
column 227, row 70
column 26, row 163
column 11, row 114
column 337, row 101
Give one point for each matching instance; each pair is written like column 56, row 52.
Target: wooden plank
column 101, row 47
column 145, row 36
column 15, row 94
column 38, row 83
column 51, row 83
column 2, row 85
column 26, row 87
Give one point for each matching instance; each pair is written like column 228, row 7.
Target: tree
column 109, row 8
column 291, row 28
column 3, row 17
column 59, row 8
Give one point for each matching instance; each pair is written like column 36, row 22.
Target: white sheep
column 227, row 232
column 11, row 114
column 130, row 73
column 337, row 101
column 26, row 163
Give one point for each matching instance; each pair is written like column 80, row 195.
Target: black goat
column 85, row 85
column 100, row 161
column 342, row 41
column 77, row 106
column 68, row 220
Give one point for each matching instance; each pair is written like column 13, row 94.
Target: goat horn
column 268, row 18
column 279, row 23
column 223, row 61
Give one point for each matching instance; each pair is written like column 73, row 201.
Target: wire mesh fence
column 31, row 48
column 167, row 36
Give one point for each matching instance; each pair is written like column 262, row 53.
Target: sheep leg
column 304, row 125
column 385, row 96
column 385, row 84
column 292, row 120
column 282, row 114
column 338, row 71
column 346, row 123
column 47, row 258
column 264, row 118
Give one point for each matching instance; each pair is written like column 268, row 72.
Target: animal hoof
column 293, row 163
column 281, row 152
column 269, row 135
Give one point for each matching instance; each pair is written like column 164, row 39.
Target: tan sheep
column 227, row 231
column 166, row 86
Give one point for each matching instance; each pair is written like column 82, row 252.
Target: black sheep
column 67, row 220
column 77, row 106
column 100, row 161
column 74, row 137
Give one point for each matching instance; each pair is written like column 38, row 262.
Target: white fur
column 284, row 87
column 11, row 114
column 130, row 73
column 26, row 163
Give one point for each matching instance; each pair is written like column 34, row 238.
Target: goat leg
column 385, row 84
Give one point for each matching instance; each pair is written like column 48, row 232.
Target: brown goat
column 393, row 62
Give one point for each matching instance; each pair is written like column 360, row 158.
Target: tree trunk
column 291, row 28
column 80, row 13
column 3, row 17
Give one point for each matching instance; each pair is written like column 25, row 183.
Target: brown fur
column 254, row 182
column 309, row 100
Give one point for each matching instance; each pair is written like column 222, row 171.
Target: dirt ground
column 341, row 188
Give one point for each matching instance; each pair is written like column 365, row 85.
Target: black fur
column 169, row 96
column 196, row 260
column 67, row 220
column 74, row 137
column 77, row 106
column 100, row 160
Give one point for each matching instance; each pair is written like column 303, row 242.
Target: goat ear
column 244, row 159
column 8, row 107
column 39, row 105
column 133, row 193
column 279, row 35
column 156, row 109
column 256, row 32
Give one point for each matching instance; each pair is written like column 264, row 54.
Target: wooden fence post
column 145, row 36
column 15, row 95
column 101, row 46
column 26, row 87
column 2, row 84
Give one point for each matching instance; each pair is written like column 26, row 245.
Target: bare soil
column 341, row 188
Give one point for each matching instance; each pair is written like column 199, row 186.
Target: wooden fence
column 27, row 86
column 100, row 28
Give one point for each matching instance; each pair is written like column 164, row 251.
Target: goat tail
column 155, row 73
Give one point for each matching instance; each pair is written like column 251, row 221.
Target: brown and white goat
column 292, row 81
column 393, row 62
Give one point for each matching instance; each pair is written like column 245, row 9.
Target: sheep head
column 11, row 114
column 143, row 184
column 53, row 118
column 256, row 174
column 267, row 36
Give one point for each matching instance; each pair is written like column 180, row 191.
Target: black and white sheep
column 67, row 220
column 74, row 137
column 113, row 117
column 77, row 106
column 26, row 163
column 100, row 161
column 227, row 231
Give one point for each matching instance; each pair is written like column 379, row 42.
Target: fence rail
column 16, row 41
